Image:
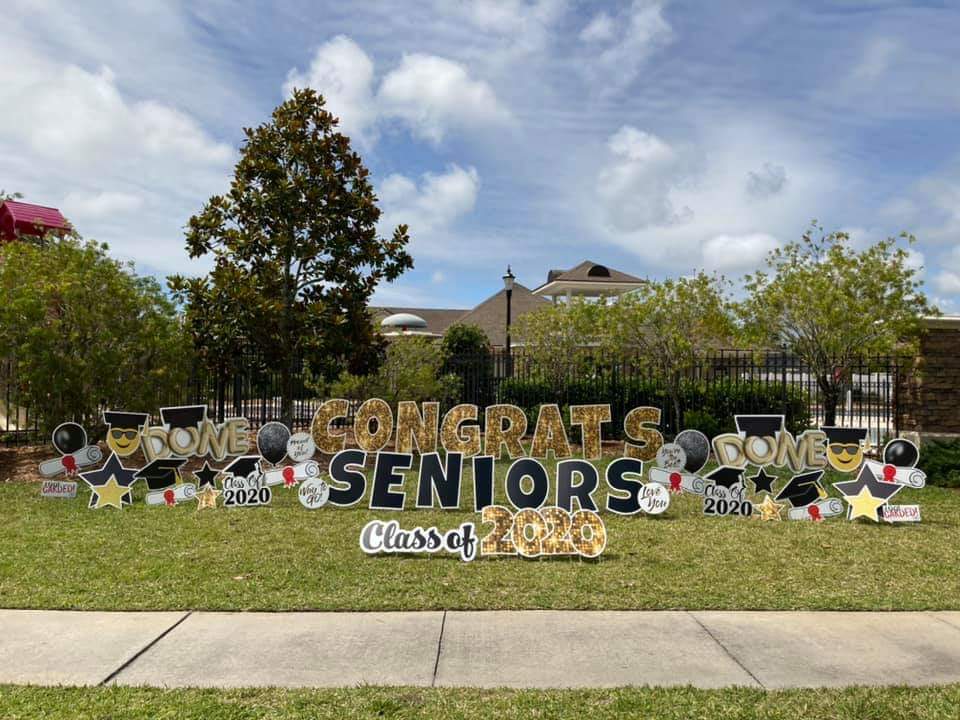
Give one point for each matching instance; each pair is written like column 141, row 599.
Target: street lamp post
column 508, row 286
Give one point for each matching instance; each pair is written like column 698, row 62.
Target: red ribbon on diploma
column 675, row 479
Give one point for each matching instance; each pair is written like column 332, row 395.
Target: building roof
column 438, row 319
column 587, row 277
column 491, row 315
column 20, row 217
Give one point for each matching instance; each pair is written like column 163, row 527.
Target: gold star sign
column 864, row 504
column 110, row 485
column 207, row 498
column 769, row 510
column 111, row 493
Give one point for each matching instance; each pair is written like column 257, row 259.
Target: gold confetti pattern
column 324, row 437
column 497, row 541
column 558, row 540
column 416, row 431
column 529, row 529
column 647, row 440
column 462, row 440
column 509, row 434
column 375, row 412
column 588, row 533
column 590, row 418
column 550, row 434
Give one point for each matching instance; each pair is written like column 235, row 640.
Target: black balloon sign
column 901, row 453
column 272, row 442
column 696, row 447
column 69, row 437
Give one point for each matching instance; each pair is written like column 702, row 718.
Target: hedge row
column 706, row 407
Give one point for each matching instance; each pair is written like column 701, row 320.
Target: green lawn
column 59, row 554
column 18, row 703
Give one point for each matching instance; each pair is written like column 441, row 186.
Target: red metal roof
column 19, row 217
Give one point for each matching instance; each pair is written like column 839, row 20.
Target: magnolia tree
column 296, row 251
column 830, row 304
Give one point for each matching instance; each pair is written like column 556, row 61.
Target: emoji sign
column 123, row 431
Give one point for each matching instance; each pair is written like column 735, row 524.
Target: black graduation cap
column 161, row 473
column 844, row 435
column 243, row 466
column 759, row 425
column 184, row 416
column 803, row 489
column 125, row 420
column 726, row 476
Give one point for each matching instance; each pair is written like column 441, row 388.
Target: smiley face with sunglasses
column 123, row 431
column 845, row 447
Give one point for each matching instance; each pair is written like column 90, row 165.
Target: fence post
column 783, row 381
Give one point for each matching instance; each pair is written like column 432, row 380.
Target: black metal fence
column 721, row 385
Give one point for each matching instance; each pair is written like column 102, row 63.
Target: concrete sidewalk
column 535, row 649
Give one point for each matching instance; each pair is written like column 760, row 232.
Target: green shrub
column 704, row 405
column 940, row 459
column 411, row 370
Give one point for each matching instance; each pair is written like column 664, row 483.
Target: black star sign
column 206, row 476
column 762, row 482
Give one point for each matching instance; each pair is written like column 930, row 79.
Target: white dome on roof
column 403, row 321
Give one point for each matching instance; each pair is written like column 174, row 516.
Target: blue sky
column 655, row 137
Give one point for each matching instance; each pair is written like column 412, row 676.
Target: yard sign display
column 418, row 458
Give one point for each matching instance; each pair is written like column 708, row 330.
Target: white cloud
column 878, row 55
column 343, row 73
column 619, row 46
column 599, row 29
column 96, row 205
column 636, row 188
column 727, row 253
column 432, row 94
column 430, row 208
column 438, row 277
column 667, row 202
column 947, row 282
column 429, row 94
column 78, row 141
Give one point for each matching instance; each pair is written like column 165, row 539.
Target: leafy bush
column 940, row 459
column 704, row 405
column 82, row 331
column 467, row 355
column 411, row 370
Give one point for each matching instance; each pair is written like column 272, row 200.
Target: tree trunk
column 286, row 393
column 829, row 398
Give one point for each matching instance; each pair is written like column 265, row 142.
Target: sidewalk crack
column 136, row 656
column 933, row 614
column 726, row 650
column 436, row 662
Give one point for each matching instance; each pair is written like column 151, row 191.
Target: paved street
column 535, row 649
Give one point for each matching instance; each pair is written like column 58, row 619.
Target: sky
column 655, row 137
